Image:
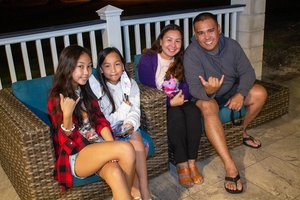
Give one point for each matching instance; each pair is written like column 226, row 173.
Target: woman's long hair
column 100, row 76
column 176, row 68
column 62, row 83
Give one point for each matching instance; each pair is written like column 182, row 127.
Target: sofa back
column 34, row 94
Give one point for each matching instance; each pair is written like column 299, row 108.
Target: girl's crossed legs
column 113, row 161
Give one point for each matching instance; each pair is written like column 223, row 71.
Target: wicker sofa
column 27, row 154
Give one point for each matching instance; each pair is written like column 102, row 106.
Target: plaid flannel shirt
column 67, row 145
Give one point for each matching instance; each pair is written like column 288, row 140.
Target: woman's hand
column 178, row 99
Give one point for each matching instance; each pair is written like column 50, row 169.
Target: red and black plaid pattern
column 67, row 145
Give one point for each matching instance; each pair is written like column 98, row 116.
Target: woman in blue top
column 161, row 67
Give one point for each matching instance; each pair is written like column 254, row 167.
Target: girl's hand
column 67, row 105
column 126, row 129
column 128, row 102
column 178, row 99
column 126, row 99
column 127, row 126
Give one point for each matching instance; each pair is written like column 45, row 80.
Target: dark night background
column 28, row 14
column 281, row 58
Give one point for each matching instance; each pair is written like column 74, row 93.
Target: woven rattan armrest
column 154, row 121
column 27, row 154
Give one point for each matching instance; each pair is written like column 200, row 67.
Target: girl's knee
column 112, row 171
column 127, row 150
column 136, row 136
column 137, row 141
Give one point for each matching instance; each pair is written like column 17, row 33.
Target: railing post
column 250, row 31
column 112, row 35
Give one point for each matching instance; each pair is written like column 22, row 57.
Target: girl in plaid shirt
column 83, row 141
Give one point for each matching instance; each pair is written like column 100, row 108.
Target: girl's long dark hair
column 62, row 83
column 176, row 68
column 100, row 76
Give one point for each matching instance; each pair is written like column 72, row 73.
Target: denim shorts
column 72, row 159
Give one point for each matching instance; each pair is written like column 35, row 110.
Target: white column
column 112, row 35
column 250, row 31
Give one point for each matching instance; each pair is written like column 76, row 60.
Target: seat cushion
column 34, row 94
column 146, row 136
column 226, row 116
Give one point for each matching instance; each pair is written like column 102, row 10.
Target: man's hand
column 178, row 99
column 212, row 85
column 236, row 102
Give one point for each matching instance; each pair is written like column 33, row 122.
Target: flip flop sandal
column 234, row 180
column 198, row 177
column 250, row 138
column 186, row 182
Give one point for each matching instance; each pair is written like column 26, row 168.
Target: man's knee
column 208, row 107
column 258, row 94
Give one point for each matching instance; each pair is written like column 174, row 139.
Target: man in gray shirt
column 218, row 71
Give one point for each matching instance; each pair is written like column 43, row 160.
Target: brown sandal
column 198, row 177
column 184, row 178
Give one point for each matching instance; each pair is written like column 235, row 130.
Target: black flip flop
column 234, row 180
column 245, row 139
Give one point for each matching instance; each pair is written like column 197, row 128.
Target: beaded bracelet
column 67, row 130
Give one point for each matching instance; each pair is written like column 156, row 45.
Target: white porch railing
column 35, row 53
column 152, row 25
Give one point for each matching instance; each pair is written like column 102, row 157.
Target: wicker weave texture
column 277, row 103
column 27, row 153
column 154, row 121
column 153, row 118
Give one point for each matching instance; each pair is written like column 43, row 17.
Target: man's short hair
column 204, row 16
